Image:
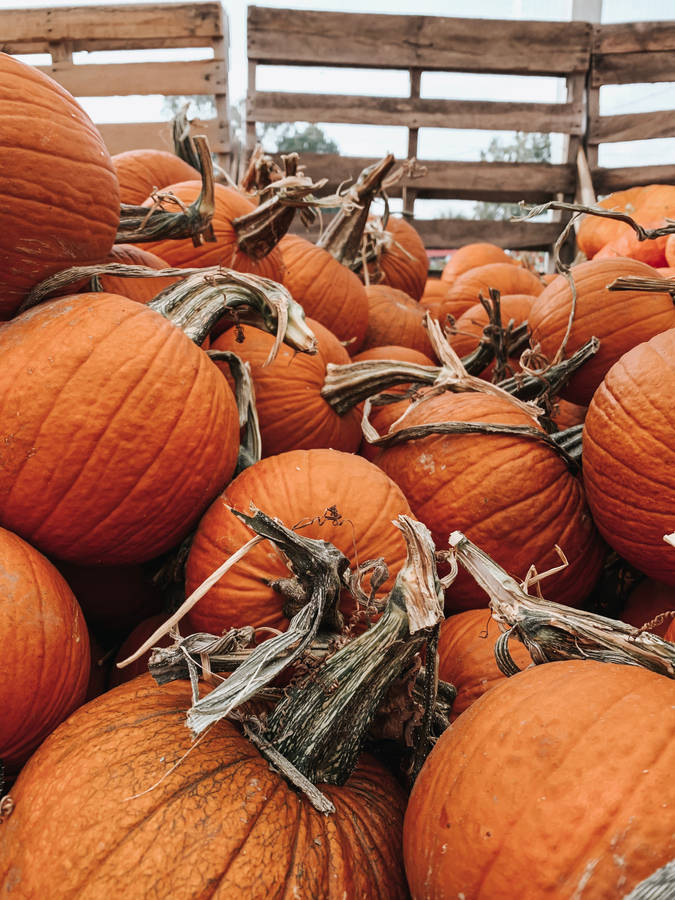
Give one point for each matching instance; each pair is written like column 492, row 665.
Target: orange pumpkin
column 646, row 601
column 328, row 291
column 504, row 277
column 131, row 643
column 60, row 193
column 299, row 488
column 566, row 414
column 471, row 256
column 466, row 656
column 117, row 431
column 470, row 325
column 292, row 413
column 142, row 290
column 45, row 650
column 542, row 789
column 404, row 263
column 629, row 456
column 121, row 802
column 143, row 170
column 395, row 319
column 670, row 250
column 620, row 319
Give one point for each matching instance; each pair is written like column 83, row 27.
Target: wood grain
column 189, row 77
column 632, row 127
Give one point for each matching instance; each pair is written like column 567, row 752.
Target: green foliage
column 299, row 138
column 523, row 147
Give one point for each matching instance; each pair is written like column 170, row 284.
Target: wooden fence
column 61, row 31
column 579, row 52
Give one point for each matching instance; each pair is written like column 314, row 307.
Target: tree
column 524, row 147
column 287, row 138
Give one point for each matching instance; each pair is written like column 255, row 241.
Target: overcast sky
column 433, row 143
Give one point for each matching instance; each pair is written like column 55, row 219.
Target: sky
column 441, row 144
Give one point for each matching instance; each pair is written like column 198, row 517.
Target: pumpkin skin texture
column 45, row 650
column 670, row 251
column 504, row 277
column 141, row 171
column 294, row 487
column 395, row 319
column 142, row 290
column 434, row 290
column 293, row 415
column 229, row 205
column 116, row 430
column 328, row 291
column 470, row 256
column 512, row 496
column 60, row 197
column 466, row 656
column 629, row 456
column 404, row 263
column 566, row 414
column 620, row 319
column 221, row 825
column 541, row 789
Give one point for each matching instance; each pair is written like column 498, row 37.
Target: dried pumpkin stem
column 140, row 225
column 250, row 449
column 643, row 234
column 648, row 285
column 533, row 386
column 551, row 631
column 660, row 885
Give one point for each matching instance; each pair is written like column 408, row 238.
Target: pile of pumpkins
column 119, row 439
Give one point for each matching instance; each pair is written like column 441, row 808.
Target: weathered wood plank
column 632, row 127
column 461, row 180
column 430, row 42
column 633, row 68
column 197, row 22
column 605, row 181
column 189, row 77
column 633, row 37
column 274, row 106
column 156, row 135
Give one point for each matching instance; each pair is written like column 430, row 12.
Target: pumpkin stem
column 321, row 725
column 649, row 285
column 138, row 224
column 342, row 238
column 534, row 386
column 250, row 449
column 551, row 631
column 571, row 441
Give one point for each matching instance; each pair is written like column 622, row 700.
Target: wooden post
column 409, row 194
column 220, row 95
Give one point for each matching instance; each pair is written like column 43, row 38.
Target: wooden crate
column 635, row 53
column 429, row 43
column 61, row 31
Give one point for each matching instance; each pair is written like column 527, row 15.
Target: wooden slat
column 430, row 42
column 189, row 77
column 633, row 37
column 104, row 27
column 606, row 181
column 633, row 68
column 156, row 135
column 632, row 127
column 274, row 106
column 451, row 233
column 492, row 181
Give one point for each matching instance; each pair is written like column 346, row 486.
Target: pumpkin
column 292, row 413
column 143, row 290
column 131, row 643
column 395, row 319
column 466, row 656
column 330, row 495
column 120, row 802
column 403, row 262
column 469, row 326
column 117, row 431
column 60, row 193
column 511, row 495
column 566, row 414
column 225, row 251
column 670, row 250
column 45, row 650
column 504, row 277
column 620, row 319
column 471, row 256
column 328, row 291
column 434, row 290
column 541, row 788
column 629, row 456
column 646, row 601
column 142, row 171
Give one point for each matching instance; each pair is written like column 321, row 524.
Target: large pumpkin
column 116, row 430
column 620, row 319
column 225, row 251
column 629, row 456
column 511, row 495
column 143, row 170
column 121, row 803
column 292, row 413
column 299, row 488
column 555, row 783
column 60, row 203
column 328, row 291
column 45, row 650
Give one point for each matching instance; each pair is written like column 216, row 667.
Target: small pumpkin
column 403, row 262
column 471, row 256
